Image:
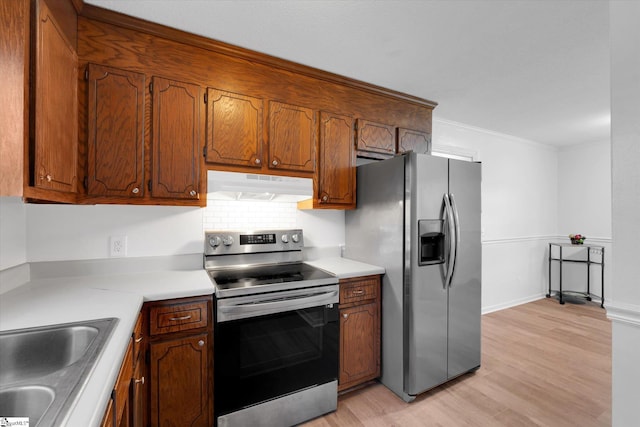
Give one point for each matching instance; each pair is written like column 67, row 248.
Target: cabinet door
column 359, row 345
column 375, row 140
column 234, row 129
column 177, row 139
column 56, row 106
column 179, row 388
column 413, row 140
column 115, row 132
column 336, row 181
column 292, row 141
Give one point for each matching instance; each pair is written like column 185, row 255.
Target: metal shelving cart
column 591, row 250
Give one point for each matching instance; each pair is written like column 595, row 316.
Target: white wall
column 584, row 190
column 68, row 232
column 624, row 309
column 13, row 226
column 584, row 206
column 519, row 210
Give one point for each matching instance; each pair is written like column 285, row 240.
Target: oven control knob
column 215, row 241
column 227, row 241
column 295, row 238
column 285, row 238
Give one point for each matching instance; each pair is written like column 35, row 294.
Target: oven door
column 262, row 357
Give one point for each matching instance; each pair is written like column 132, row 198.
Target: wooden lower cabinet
column 180, row 362
column 126, row 406
column 359, row 331
column 118, row 413
column 179, row 387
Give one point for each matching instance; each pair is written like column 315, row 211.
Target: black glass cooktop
column 267, row 278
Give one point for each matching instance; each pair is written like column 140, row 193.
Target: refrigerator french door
column 419, row 217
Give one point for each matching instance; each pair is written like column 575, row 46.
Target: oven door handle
column 229, row 310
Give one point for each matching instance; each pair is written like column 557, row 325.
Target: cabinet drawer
column 178, row 317
column 359, row 290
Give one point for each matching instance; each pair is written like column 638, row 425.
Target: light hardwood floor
column 543, row 364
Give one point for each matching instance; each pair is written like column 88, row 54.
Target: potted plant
column 577, row 239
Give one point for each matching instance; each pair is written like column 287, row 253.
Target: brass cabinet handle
column 138, row 340
column 201, row 343
column 136, row 190
column 274, row 163
column 257, row 161
column 345, row 315
column 187, row 317
column 192, row 193
column 140, row 381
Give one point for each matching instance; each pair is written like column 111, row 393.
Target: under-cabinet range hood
column 248, row 186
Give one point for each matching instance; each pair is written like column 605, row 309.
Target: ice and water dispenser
column 431, row 241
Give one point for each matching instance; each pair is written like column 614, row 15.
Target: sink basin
column 32, row 354
column 43, row 369
column 31, row 401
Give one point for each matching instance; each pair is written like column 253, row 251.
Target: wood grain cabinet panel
column 180, row 362
column 413, row 140
column 359, row 358
column 55, row 150
column 179, row 382
column 292, row 137
column 359, row 331
column 177, row 139
column 234, row 129
column 336, row 177
column 115, row 132
column 375, row 140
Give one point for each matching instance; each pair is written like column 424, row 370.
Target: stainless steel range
column 276, row 335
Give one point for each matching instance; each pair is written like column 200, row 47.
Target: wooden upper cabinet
column 375, row 140
column 55, row 150
column 177, row 138
column 115, row 132
column 292, row 137
column 413, row 140
column 234, row 129
column 336, row 177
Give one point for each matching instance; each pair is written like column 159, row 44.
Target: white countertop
column 345, row 268
column 70, row 299
column 73, row 298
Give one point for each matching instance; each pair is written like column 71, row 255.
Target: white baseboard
column 513, row 303
column 624, row 313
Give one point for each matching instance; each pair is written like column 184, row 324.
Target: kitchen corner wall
column 42, row 232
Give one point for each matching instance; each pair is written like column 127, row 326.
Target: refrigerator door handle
column 448, row 211
column 456, row 238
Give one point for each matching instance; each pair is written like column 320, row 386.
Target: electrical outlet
column 118, row 246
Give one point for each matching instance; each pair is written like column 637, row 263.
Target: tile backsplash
column 248, row 215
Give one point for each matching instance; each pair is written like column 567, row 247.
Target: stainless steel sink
column 32, row 354
column 26, row 401
column 43, row 369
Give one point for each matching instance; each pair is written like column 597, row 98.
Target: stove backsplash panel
column 248, row 215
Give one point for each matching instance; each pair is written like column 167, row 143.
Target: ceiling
column 534, row 69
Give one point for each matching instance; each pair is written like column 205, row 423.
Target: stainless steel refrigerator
column 418, row 216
